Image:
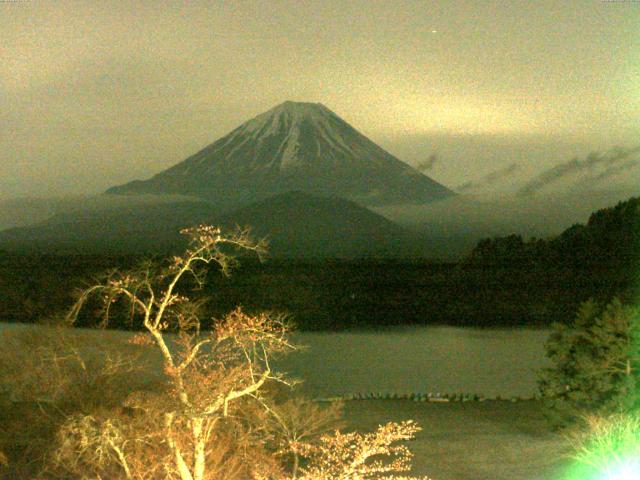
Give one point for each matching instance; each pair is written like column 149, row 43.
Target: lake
column 488, row 362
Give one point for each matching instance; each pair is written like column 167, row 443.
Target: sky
column 94, row 94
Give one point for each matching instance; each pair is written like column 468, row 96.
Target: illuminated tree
column 298, row 421
column 355, row 456
column 210, row 374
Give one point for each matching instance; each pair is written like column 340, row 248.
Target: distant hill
column 294, row 146
column 297, row 225
column 20, row 212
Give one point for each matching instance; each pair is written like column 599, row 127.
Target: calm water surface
column 407, row 360
column 421, row 359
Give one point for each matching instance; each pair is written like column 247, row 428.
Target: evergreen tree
column 595, row 363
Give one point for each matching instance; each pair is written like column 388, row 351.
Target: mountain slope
column 150, row 228
column 293, row 146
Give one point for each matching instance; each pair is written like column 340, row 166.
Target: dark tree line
column 610, row 240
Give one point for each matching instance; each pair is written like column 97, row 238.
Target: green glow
column 609, row 450
column 622, row 469
column 617, row 469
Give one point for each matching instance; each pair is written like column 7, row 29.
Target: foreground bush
column 208, row 411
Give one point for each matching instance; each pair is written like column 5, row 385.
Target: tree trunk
column 296, row 465
column 181, row 465
column 183, row 469
column 198, row 449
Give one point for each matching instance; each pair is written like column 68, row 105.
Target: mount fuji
column 297, row 174
column 292, row 147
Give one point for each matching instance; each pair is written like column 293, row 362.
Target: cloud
column 551, row 175
column 429, row 163
column 501, row 173
column 615, row 169
column 490, row 178
column 613, row 162
column 466, row 186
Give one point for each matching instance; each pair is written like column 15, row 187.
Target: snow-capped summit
column 294, row 146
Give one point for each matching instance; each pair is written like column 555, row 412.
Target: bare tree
column 56, row 365
column 298, row 421
column 208, row 373
column 49, row 373
column 89, row 445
